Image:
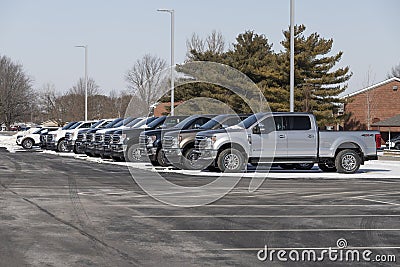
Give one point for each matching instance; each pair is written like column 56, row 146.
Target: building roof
column 372, row 87
column 391, row 122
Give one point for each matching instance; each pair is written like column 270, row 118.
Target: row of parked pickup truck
column 224, row 142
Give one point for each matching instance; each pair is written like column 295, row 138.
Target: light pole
column 171, row 11
column 86, row 78
column 291, row 55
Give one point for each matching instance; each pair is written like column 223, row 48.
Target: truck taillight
column 378, row 140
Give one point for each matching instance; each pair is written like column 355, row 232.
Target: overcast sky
column 41, row 34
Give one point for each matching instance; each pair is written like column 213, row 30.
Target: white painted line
column 258, row 205
column 331, row 194
column 382, row 194
column 266, row 216
column 378, row 201
column 360, row 248
column 285, row 230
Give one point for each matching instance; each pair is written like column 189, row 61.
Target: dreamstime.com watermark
column 340, row 253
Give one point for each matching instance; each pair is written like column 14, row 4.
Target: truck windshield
column 97, row 124
column 135, row 121
column 70, row 124
column 181, row 124
column 123, row 122
column 75, row 125
column 214, row 122
column 157, row 122
column 113, row 123
column 174, row 122
column 145, row 122
column 250, row 121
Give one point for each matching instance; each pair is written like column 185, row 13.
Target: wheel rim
column 28, row 143
column 136, row 154
column 349, row 162
column 63, row 147
column 191, row 158
column 231, row 162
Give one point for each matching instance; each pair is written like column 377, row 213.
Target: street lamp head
column 166, row 10
column 83, row 46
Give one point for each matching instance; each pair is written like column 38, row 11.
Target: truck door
column 302, row 137
column 270, row 138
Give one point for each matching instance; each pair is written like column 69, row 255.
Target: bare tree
column 395, row 72
column 79, row 87
column 194, row 44
column 146, row 79
column 15, row 91
column 214, row 43
column 51, row 104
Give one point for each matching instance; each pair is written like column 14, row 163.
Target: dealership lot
column 68, row 211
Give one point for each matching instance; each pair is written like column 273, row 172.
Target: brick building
column 373, row 104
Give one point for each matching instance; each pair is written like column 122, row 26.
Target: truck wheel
column 231, row 160
column 190, row 161
column 304, row 166
column 133, row 153
column 62, row 146
column 397, row 146
column 162, row 161
column 287, row 166
column 27, row 143
column 347, row 161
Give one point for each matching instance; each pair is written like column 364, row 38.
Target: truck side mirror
column 256, row 130
column 223, row 126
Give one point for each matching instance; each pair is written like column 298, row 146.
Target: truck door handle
column 310, row 136
column 282, row 136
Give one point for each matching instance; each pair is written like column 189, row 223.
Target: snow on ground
column 9, row 141
column 371, row 169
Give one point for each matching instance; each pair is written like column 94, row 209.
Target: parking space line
column 290, row 230
column 331, row 194
column 381, row 194
column 267, row 216
column 259, row 205
column 378, row 201
column 349, row 247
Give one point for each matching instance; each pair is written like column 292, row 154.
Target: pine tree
column 317, row 82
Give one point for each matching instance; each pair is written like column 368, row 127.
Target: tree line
column 318, row 81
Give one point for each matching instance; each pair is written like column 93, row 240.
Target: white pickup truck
column 287, row 139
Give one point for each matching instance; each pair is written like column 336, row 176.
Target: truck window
column 280, row 123
column 267, row 125
column 299, row 123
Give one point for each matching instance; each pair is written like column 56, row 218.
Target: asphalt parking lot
column 63, row 211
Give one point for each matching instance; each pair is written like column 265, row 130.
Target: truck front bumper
column 173, row 155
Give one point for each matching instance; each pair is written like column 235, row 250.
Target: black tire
column 28, row 143
column 287, row 166
column 304, row 166
column 231, row 160
column 397, row 146
column 133, row 153
column 161, row 160
column 61, row 146
column 347, row 161
column 89, row 154
column 189, row 160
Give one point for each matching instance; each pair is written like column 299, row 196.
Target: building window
column 394, row 87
